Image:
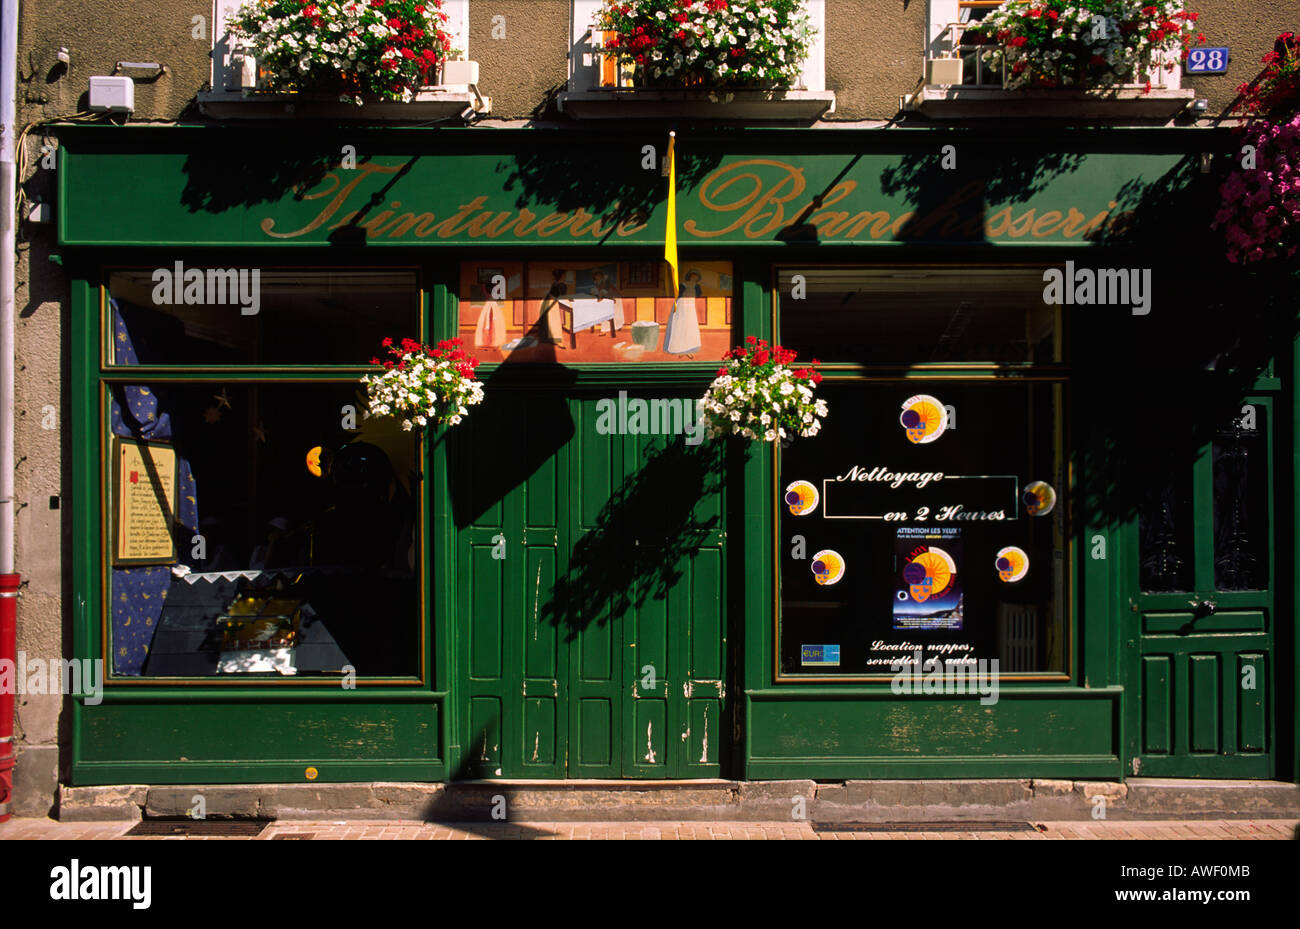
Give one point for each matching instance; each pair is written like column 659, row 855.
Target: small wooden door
column 1201, row 607
column 590, row 620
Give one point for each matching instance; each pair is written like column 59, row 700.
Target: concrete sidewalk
column 703, row 801
column 23, row 828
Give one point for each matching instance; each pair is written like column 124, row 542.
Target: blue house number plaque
column 1207, row 60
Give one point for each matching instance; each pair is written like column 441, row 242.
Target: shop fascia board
column 945, row 101
column 749, row 105
column 428, row 105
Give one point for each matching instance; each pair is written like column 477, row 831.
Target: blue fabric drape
column 138, row 594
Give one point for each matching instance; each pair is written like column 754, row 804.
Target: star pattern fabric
column 140, row 592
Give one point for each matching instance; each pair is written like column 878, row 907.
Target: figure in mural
column 550, row 321
column 683, row 335
column 490, row 331
column 603, row 288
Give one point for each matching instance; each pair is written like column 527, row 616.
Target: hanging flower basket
column 423, row 386
column 388, row 48
column 1087, row 43
column 708, row 44
column 761, row 396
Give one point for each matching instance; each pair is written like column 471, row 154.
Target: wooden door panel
column 704, row 691
column 1203, row 604
column 674, row 508
column 512, row 655
column 649, row 669
column 595, row 647
column 1199, row 717
column 1157, row 704
column 1252, row 705
column 591, row 613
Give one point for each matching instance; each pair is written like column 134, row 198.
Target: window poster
column 929, row 594
column 613, row 311
column 144, row 493
column 927, row 517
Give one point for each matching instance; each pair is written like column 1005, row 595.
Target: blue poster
column 928, row 588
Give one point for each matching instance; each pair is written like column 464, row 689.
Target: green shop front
column 1046, row 531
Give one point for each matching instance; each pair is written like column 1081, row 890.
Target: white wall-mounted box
column 943, row 70
column 114, row 94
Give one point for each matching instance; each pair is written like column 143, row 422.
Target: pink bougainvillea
column 1259, row 211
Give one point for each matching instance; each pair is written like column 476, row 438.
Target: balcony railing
column 970, row 80
column 985, row 64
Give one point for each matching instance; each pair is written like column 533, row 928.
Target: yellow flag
column 670, row 233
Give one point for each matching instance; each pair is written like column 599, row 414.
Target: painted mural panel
column 567, row 311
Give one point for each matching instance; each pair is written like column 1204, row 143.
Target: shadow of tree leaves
column 642, row 538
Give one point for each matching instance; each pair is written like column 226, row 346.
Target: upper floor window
column 950, row 21
column 590, row 70
column 232, row 71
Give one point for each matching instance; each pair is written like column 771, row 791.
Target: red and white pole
column 9, row 584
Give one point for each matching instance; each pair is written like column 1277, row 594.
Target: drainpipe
column 9, row 581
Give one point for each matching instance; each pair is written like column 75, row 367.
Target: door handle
column 1206, row 608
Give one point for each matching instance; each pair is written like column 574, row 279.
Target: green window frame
column 105, row 376
column 1056, row 372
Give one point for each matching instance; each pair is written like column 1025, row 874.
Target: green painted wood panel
column 614, row 609
column 508, row 687
column 1157, row 704
column 593, row 610
column 181, row 733
column 677, row 630
column 863, row 736
column 463, row 187
column 1201, row 702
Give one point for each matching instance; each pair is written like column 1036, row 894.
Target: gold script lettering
column 553, row 224
column 755, row 197
column 364, row 170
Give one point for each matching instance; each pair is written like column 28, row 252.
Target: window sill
column 432, row 103
column 774, row 105
column 951, row 101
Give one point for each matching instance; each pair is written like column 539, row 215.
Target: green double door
column 590, row 623
column 1201, row 612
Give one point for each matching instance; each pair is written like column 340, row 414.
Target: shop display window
column 190, row 315
column 928, row 520
column 258, row 526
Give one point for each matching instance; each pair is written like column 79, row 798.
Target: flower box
column 1132, row 102
column 385, row 59
column 747, row 105
column 1061, row 59
column 742, row 60
column 455, row 93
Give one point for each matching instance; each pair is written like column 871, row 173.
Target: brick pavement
column 23, row 828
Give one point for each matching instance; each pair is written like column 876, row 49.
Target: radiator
column 1018, row 637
